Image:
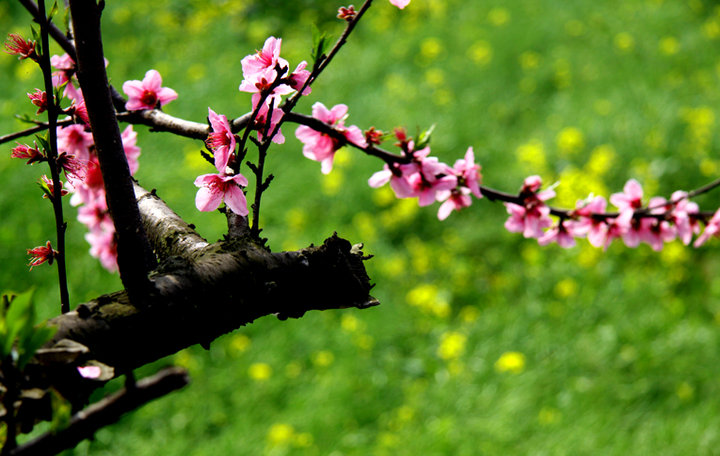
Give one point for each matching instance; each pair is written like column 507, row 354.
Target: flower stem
column 52, row 112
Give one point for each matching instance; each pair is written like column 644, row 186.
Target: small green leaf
column 36, row 339
column 25, row 118
column 38, row 40
column 42, row 139
column 321, row 42
column 19, row 316
column 44, row 187
column 424, row 138
column 53, row 11
column 61, row 411
column 66, row 19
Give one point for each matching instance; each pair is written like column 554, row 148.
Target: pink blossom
column 423, row 177
column 103, row 247
column 74, row 140
column 711, row 229
column 93, row 176
column 656, row 232
column 400, row 3
column 275, row 118
column 77, row 108
column 533, row 216
column 630, row 199
column 455, row 200
column 321, row 147
column 63, row 62
column 95, row 216
column 394, row 175
column 298, row 78
column 469, row 172
column 585, row 224
column 684, row 215
column 92, row 186
column 531, row 184
column 614, row 228
column 560, row 233
column 262, row 64
column 66, row 65
column 530, row 221
column 261, row 87
column 646, row 229
column 221, row 140
column 431, row 180
column 42, row 254
column 132, row 151
column 148, row 93
column 74, row 168
column 214, row 188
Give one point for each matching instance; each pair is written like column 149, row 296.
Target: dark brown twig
column 52, row 113
column 41, row 126
column 105, row 412
column 135, row 256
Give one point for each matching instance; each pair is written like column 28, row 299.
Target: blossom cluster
column 428, row 179
column 266, row 77
column 655, row 223
column 322, row 147
column 79, row 162
column 89, row 190
column 416, row 174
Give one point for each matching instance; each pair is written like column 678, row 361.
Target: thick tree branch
column 135, row 257
column 169, row 235
column 214, row 291
column 199, row 292
column 105, row 412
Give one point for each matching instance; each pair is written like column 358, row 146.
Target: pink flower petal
column 89, row 371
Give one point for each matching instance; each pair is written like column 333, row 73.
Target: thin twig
column 287, row 108
column 105, row 412
column 259, row 171
column 290, row 104
column 52, row 113
column 704, row 189
column 41, row 126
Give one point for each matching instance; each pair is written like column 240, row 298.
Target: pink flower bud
column 17, row 45
column 39, row 99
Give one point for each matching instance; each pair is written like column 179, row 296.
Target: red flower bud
column 17, row 45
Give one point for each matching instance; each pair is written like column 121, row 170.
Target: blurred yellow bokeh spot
column 513, row 362
column 452, row 345
column 260, row 371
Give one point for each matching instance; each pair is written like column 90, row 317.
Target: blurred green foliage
column 485, row 342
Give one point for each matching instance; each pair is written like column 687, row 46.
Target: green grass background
column 485, row 343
